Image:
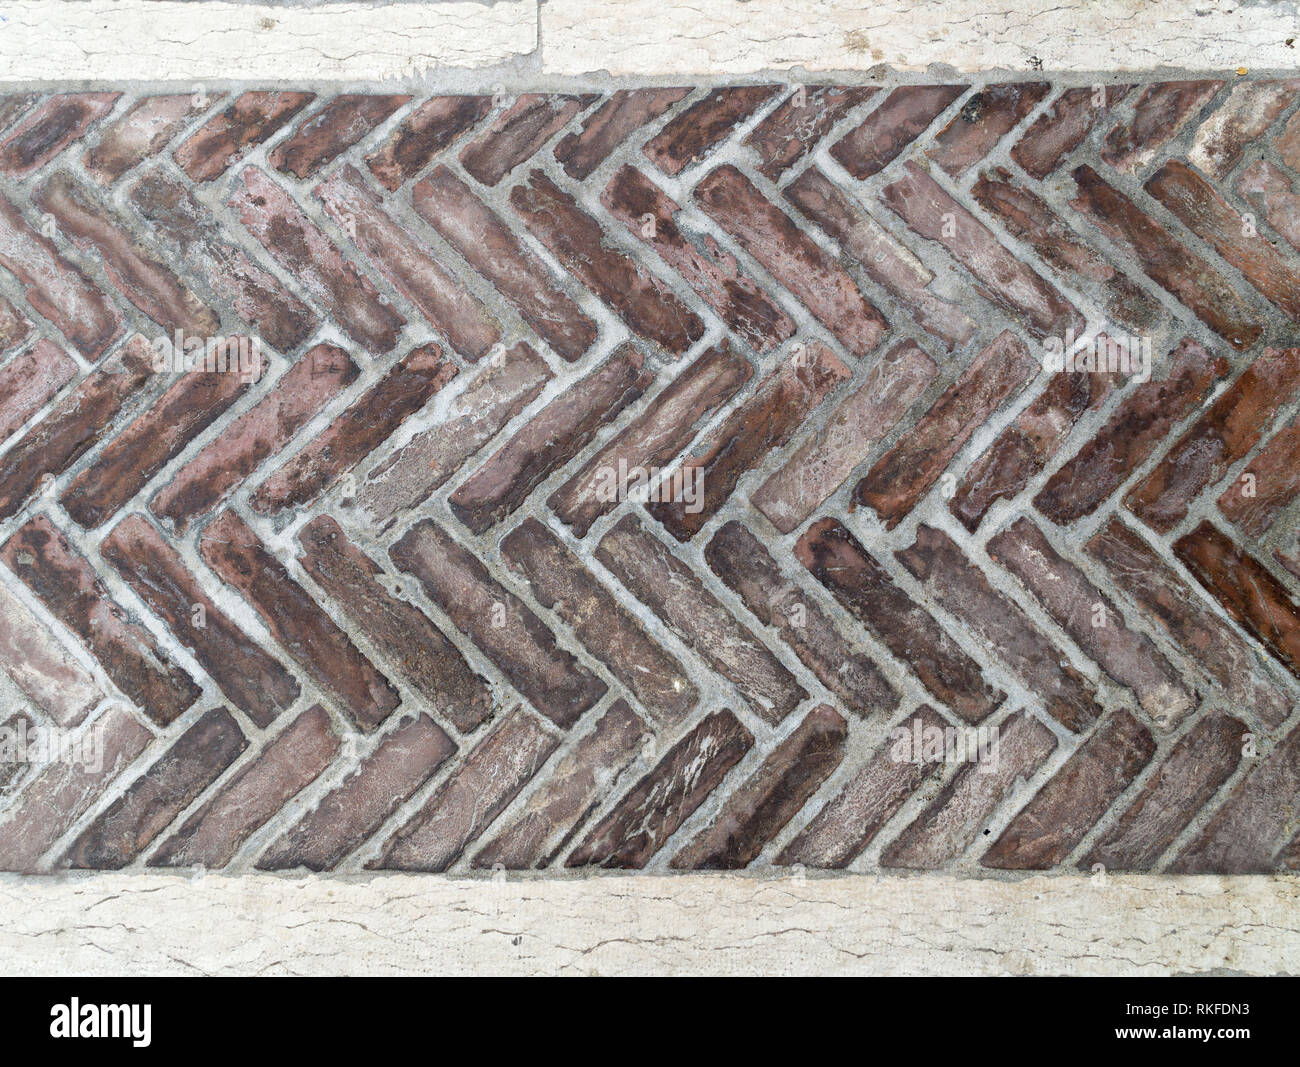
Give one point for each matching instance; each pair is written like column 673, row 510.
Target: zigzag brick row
column 881, row 477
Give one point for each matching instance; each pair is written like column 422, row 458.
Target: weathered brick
column 1229, row 429
column 842, row 565
column 675, row 594
column 646, row 303
column 1237, row 123
column 1076, row 604
column 611, row 633
column 402, row 633
column 48, row 130
column 424, row 133
column 984, row 119
column 353, row 810
column 303, row 629
column 879, row 255
column 74, row 594
column 288, row 764
column 901, row 117
column 827, row 457
column 256, row 682
column 509, row 634
column 846, row 824
column 573, row 788
column 263, row 430
column 29, row 380
column 617, row 119
column 999, row 276
column 1180, row 787
column 127, row 826
column 477, row 233
column 1062, row 127
column 707, row 268
column 1001, row 626
column 693, row 133
column 738, row 557
column 466, row 803
column 304, row 251
column 1159, row 112
column 1140, row 422
column 14, row 105
column 1170, row 262
column 520, row 131
column 796, row 261
column 410, row 265
column 14, row 326
column 358, row 431
column 957, row 816
column 764, row 422
column 791, row 131
column 653, row 810
column 653, row 438
column 144, row 130
column 251, row 119
column 1268, row 484
column 900, row 477
column 331, row 130
column 13, row 769
column 41, row 667
column 1053, row 823
column 1270, row 190
column 499, row 390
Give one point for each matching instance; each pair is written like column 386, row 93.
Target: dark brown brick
column 1159, row 112
column 66, row 584
column 1062, row 128
column 303, row 629
column 288, row 764
column 127, row 826
column 842, row 565
column 616, row 120
column 41, row 667
column 352, row 436
column 353, row 810
column 1238, row 122
column 693, row 133
column 467, row 803
column 29, row 380
column 905, row 473
column 901, row 117
column 520, row 131
column 48, row 130
column 509, row 634
column 611, row 633
column 477, row 233
column 763, row 423
column 791, row 131
column 1141, row 421
column 676, row 595
column 256, row 682
column 224, row 138
column 331, row 130
column 143, row 131
column 1273, row 476
column 792, row 257
column 984, row 119
column 401, row 633
column 646, row 303
column 1049, row 827
column 424, row 133
column 653, row 810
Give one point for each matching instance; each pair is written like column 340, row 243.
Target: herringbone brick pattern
column 687, row 477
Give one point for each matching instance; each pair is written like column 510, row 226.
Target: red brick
column 612, row 634
column 677, row 596
column 693, row 133
column 256, row 682
column 1141, row 421
column 287, row 765
column 14, row 105
column 1274, row 475
column 424, row 133
column 902, row 475
column 353, row 810
column 499, row 623
column 792, row 258
column 1270, row 189
column 410, row 265
column 303, row 629
column 706, row 267
column 519, row 131
column 902, row 117
column 211, row 475
column 144, row 130
column 616, row 120
column 246, row 123
column 861, row 585
column 1051, row 825
column 1062, row 128
column 41, row 667
column 304, row 251
column 29, row 381
column 466, row 803
column 763, row 423
column 646, row 303
column 1159, row 112
column 367, row 423
column 74, row 594
column 48, row 130
column 791, row 131
column 401, row 633
column 331, row 130
column 477, row 233
column 984, row 119
column 1238, row 122
column 653, row 810
column 14, row 326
